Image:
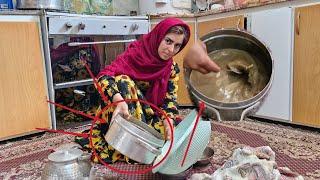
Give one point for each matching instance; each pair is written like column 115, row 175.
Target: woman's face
column 170, row 45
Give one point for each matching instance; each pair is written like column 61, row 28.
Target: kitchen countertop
column 241, row 5
column 15, row 12
column 20, row 12
column 245, row 5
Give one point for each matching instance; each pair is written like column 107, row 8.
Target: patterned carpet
column 297, row 149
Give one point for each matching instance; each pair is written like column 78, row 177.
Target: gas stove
column 75, row 24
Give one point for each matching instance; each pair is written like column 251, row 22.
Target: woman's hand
column 122, row 107
column 197, row 59
column 167, row 131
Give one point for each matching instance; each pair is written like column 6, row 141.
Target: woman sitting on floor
column 144, row 71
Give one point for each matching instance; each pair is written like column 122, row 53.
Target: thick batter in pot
column 242, row 76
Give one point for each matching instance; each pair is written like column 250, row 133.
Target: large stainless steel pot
column 240, row 40
column 134, row 139
column 40, row 4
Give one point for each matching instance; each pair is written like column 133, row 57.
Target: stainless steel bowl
column 240, row 40
column 40, row 4
column 134, row 139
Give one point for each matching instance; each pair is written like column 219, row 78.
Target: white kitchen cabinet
column 275, row 29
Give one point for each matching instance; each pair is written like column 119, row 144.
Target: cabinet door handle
column 238, row 24
column 99, row 42
column 298, row 23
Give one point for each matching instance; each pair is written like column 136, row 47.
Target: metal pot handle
column 215, row 111
column 149, row 147
column 244, row 112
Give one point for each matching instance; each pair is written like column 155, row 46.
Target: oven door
column 76, row 40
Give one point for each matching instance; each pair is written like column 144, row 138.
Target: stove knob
column 134, row 27
column 82, row 26
column 68, row 25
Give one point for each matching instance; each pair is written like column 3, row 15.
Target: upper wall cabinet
column 275, row 29
column 306, row 71
column 23, row 90
column 207, row 24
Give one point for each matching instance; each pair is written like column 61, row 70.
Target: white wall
column 164, row 6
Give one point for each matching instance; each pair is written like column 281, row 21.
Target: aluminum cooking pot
column 239, row 40
column 142, row 143
column 40, row 4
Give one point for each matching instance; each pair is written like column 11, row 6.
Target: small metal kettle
column 67, row 164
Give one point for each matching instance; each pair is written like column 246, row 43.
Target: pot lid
column 65, row 155
column 182, row 133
